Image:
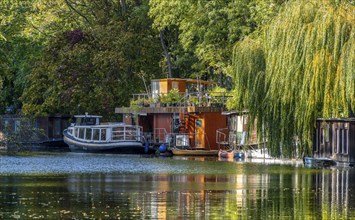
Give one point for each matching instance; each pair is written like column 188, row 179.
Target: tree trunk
column 167, row 55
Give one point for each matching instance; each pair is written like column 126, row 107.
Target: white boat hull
column 117, row 146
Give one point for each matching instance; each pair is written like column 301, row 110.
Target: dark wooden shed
column 335, row 139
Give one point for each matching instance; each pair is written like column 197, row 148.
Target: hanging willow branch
column 301, row 66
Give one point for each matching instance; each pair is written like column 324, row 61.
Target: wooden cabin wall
column 352, row 142
column 43, row 123
column 335, row 139
column 163, row 87
column 168, row 84
column 127, row 119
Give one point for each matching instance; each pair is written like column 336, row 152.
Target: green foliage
column 49, row 72
column 95, row 68
column 25, row 28
column 173, row 96
column 300, row 67
column 206, row 29
column 218, row 95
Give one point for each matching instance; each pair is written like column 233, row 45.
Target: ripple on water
column 62, row 163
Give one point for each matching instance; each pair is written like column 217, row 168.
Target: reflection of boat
column 194, row 152
column 318, row 162
column 87, row 134
column 262, row 153
column 239, row 155
column 226, row 154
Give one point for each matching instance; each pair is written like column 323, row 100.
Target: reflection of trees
column 256, row 195
column 269, row 192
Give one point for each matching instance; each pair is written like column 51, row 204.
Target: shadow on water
column 82, row 186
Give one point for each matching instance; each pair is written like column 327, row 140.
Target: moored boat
column 226, row 154
column 194, row 152
column 87, row 134
column 318, row 162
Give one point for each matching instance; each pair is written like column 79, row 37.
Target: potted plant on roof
column 217, row 97
column 173, row 97
column 193, row 100
column 136, row 105
column 164, row 100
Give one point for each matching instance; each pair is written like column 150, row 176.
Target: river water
column 96, row 186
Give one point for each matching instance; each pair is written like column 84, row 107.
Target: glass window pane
column 81, row 133
column 103, row 134
column 88, row 134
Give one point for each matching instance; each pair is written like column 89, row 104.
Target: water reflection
column 253, row 191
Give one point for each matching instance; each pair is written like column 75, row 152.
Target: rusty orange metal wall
column 163, row 121
column 212, row 122
column 190, row 120
column 204, row 136
column 146, row 122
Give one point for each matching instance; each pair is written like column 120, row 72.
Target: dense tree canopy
column 300, row 67
column 121, row 42
column 94, row 56
column 208, row 29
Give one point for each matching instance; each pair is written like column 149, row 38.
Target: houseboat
column 41, row 131
column 240, row 137
column 87, row 134
column 333, row 142
column 180, row 113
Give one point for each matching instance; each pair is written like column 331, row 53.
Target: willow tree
column 299, row 67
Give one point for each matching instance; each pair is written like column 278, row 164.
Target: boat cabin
column 87, row 119
column 180, row 112
column 238, row 134
column 44, row 130
column 335, row 139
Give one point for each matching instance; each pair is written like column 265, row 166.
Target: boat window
column 343, row 141
column 346, row 141
column 155, row 89
column 88, row 133
column 96, row 134
column 175, row 85
column 245, row 119
column 81, row 133
column 338, row 141
column 103, row 134
column 76, row 132
column 326, row 134
column 322, row 136
column 87, row 121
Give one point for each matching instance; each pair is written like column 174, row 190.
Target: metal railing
column 182, row 99
column 161, row 136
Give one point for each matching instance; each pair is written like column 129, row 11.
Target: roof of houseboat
column 196, row 81
column 87, row 116
column 235, row 112
column 337, row 119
